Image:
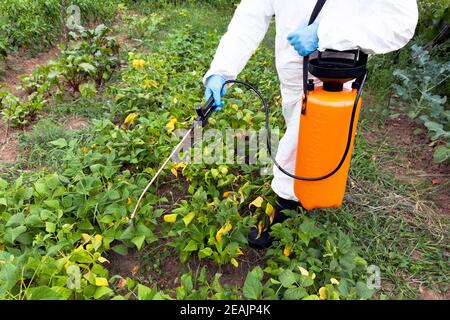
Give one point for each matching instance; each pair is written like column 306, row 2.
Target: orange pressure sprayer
column 328, row 125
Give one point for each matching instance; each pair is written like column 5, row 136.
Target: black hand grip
column 205, row 112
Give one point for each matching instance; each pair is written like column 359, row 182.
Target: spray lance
column 329, row 117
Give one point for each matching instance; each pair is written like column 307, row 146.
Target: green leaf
column 43, row 293
column 81, row 257
column 312, row 297
column 120, row 249
column 103, row 292
column 252, row 286
column 441, row 154
column 11, row 234
column 3, row 184
column 59, row 143
column 138, row 241
column 145, row 293
column 50, row 227
column 188, row 218
column 41, row 188
column 287, row 278
column 15, row 220
column 52, row 204
column 363, row 291
column 295, row 293
column 191, row 246
column 205, row 252
column 87, row 67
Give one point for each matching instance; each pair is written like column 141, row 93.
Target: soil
column 428, row 294
column 125, row 266
column 23, row 63
column 165, row 269
column 413, row 162
column 9, row 146
column 76, row 123
column 16, row 65
column 230, row 274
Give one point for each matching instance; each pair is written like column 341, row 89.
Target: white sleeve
column 245, row 32
column 374, row 26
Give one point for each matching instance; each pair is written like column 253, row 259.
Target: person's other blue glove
column 305, row 39
column 214, row 85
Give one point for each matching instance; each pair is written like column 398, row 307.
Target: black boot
column 264, row 240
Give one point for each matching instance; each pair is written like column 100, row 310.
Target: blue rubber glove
column 305, row 39
column 214, row 86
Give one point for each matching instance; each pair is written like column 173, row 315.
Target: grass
column 40, row 151
column 395, row 229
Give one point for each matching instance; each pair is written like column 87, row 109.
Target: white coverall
column 374, row 26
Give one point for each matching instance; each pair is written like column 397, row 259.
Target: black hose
column 269, row 144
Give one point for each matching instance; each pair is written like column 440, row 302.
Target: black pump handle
column 205, row 112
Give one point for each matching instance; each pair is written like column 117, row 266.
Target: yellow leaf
column 170, row 126
column 334, row 281
column 235, row 107
column 138, row 63
column 270, row 211
column 323, row 293
column 226, row 194
column 129, row 202
column 239, row 251
column 130, row 118
column 260, row 228
column 303, row 271
column 219, row 235
column 228, row 227
column 86, row 237
column 170, row 218
column 188, row 218
column 85, row 150
column 98, row 237
column 313, row 276
column 234, row 262
column 153, row 83
column 102, row 260
column 101, row 282
column 257, row 202
column 177, row 166
column 287, row 251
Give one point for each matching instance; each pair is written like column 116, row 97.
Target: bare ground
column 413, row 161
column 162, row 266
column 23, row 64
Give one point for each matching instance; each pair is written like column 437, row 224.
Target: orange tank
column 323, row 137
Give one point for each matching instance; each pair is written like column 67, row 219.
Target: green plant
column 93, row 56
column 17, row 112
column 418, row 88
column 312, row 261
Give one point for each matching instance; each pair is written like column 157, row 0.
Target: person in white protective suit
column 373, row 26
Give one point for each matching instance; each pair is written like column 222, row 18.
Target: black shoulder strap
column 316, row 11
